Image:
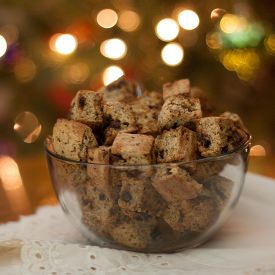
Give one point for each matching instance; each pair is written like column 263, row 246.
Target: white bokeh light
column 107, row 18
column 111, row 74
column 188, row 19
column 3, row 45
column 114, row 48
column 172, row 54
column 64, row 44
column 167, row 29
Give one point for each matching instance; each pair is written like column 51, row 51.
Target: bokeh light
column 27, row 126
column 64, row 44
column 9, row 174
column 76, row 73
column 114, row 48
column 270, row 44
column 3, row 45
column 107, row 18
column 172, row 54
column 231, row 23
column 257, row 151
column 167, row 29
column 128, row 20
column 111, row 74
column 25, row 70
column 244, row 62
column 214, row 40
column 188, row 19
column 217, row 14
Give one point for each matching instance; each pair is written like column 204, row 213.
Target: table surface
column 36, row 189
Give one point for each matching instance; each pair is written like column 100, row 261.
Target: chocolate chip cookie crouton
column 179, row 110
column 132, row 149
column 118, row 117
column 217, row 135
column 220, row 187
column 147, row 119
column 151, row 100
column 121, row 90
column 132, row 234
column 72, row 139
column 179, row 87
column 87, row 108
column 175, row 145
column 138, row 195
column 191, row 215
column 98, row 169
column 175, row 184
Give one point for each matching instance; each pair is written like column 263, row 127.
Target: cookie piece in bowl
column 71, row 139
column 175, row 145
column 217, row 135
column 132, row 149
column 118, row 117
column 86, row 107
column 179, row 110
column 178, row 87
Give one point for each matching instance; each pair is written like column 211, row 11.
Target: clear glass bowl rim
column 246, row 144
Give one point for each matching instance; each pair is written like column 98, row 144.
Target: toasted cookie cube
column 179, row 87
column 118, row 117
column 72, row 139
column 175, row 184
column 98, row 169
column 150, row 99
column 194, row 215
column 220, row 187
column 138, row 195
column 132, row 234
column 121, row 90
column 87, row 107
column 132, row 149
column 146, row 118
column 179, row 110
column 175, row 145
column 205, row 169
column 217, row 135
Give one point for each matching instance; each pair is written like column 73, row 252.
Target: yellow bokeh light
column 244, row 62
column 114, row 48
column 128, row 20
column 188, row 19
column 3, row 45
column 257, row 151
column 270, row 44
column 107, row 18
column 231, row 23
column 111, row 74
column 172, row 54
column 25, row 70
column 167, row 29
column 9, row 174
column 64, row 44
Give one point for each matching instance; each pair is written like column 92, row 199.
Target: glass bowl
column 149, row 208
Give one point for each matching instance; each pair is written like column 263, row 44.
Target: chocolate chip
column 102, row 196
column 126, row 196
column 115, row 124
column 81, row 102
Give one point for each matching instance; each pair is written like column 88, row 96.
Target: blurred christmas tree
column 50, row 49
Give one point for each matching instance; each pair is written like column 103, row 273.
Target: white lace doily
column 46, row 243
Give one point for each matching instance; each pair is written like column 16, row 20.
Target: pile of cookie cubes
column 145, row 170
